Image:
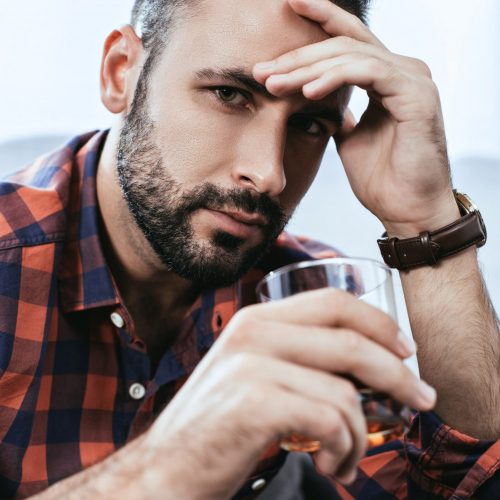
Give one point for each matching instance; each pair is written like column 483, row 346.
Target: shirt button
column 259, row 484
column 117, row 320
column 137, row 391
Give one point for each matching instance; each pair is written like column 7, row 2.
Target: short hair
column 155, row 19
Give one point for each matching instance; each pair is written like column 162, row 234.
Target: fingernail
column 265, row 65
column 427, row 394
column 406, row 345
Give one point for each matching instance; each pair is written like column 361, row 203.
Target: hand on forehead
column 334, row 21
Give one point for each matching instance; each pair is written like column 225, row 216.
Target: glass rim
column 315, row 262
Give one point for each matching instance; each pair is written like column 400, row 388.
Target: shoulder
column 34, row 201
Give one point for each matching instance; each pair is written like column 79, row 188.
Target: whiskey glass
column 369, row 281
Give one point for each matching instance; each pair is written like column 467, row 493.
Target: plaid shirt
column 75, row 380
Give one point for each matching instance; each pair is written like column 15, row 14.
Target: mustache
column 215, row 198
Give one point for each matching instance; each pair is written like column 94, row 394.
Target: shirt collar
column 85, row 280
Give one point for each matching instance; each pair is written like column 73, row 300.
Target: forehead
column 241, row 32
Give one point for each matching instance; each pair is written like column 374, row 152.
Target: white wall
column 49, row 60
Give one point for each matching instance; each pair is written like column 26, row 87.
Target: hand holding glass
column 371, row 282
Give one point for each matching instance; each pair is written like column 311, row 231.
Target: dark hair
column 155, row 19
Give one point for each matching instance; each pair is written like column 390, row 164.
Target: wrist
column 457, row 230
column 441, row 217
column 157, row 478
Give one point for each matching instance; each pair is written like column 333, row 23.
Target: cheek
column 191, row 142
column 190, row 149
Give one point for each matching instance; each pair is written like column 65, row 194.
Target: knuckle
column 420, row 66
column 255, row 396
column 342, row 41
column 353, row 342
column 337, row 435
column 240, row 317
column 243, row 325
column 374, row 64
column 290, row 59
column 245, row 314
column 329, row 423
column 433, row 90
column 431, row 100
column 350, row 395
column 242, row 365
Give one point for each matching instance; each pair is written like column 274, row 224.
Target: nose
column 260, row 165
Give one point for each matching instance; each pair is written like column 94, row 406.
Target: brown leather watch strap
column 429, row 248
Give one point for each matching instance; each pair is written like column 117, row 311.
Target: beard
column 162, row 209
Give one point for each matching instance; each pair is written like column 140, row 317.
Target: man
column 125, row 256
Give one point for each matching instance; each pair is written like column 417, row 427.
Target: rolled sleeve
column 446, row 463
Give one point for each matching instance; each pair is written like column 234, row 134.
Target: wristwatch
column 428, row 248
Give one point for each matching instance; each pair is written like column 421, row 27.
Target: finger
column 292, row 82
column 310, row 54
column 332, row 48
column 321, row 386
column 330, row 307
column 338, row 351
column 383, row 77
column 287, row 392
column 313, row 418
column 334, row 20
column 291, row 341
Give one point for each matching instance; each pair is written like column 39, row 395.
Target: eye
column 308, row 125
column 228, row 96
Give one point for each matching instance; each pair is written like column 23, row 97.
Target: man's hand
column 276, row 369
column 395, row 157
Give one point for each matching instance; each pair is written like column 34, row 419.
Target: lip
column 250, row 219
column 238, row 224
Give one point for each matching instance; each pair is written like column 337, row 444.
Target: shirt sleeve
column 446, row 463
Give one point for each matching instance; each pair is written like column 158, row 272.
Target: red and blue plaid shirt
column 69, row 354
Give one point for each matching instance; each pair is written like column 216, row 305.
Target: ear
column 121, row 64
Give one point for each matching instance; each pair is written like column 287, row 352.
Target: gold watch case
column 467, row 206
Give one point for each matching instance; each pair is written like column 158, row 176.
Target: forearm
column 457, row 334
column 122, row 475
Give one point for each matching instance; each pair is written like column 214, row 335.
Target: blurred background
column 49, row 64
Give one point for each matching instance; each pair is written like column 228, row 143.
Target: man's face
column 211, row 168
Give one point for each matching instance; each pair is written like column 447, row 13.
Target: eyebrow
column 241, row 77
